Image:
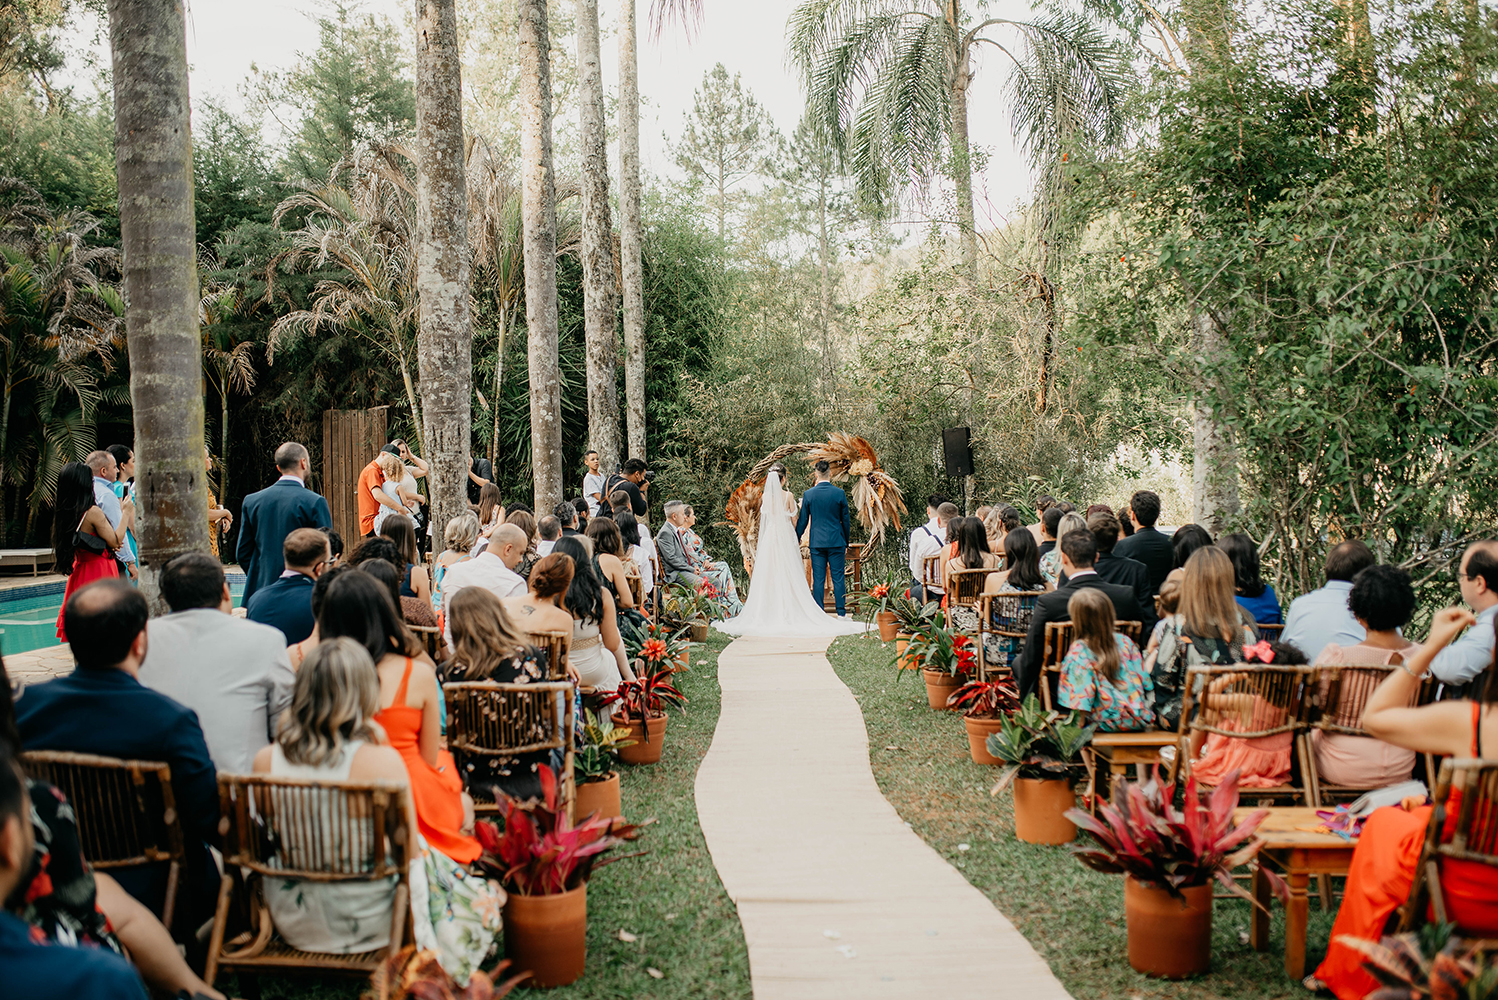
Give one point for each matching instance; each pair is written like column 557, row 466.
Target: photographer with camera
column 634, row 479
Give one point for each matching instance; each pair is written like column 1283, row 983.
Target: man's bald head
column 304, row 548
column 103, row 622
column 289, row 458
column 101, row 464
column 509, row 542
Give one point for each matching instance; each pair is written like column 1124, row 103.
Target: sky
column 225, row 37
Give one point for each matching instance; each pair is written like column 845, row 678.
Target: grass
column 1070, row 914
column 671, row 899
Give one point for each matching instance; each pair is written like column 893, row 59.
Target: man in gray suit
column 672, row 550
column 233, row 673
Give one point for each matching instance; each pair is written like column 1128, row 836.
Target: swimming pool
column 28, row 615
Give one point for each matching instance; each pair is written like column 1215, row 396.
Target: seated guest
column 972, row 552
column 619, row 502
column 1187, row 539
column 233, row 673
column 1078, row 550
column 1261, row 761
column 526, row 522
column 1050, row 524
column 414, row 582
column 1145, row 544
column 287, row 604
column 1103, row 673
column 382, row 559
column 548, row 530
column 718, row 573
column 298, row 652
column 636, row 554
column 1116, row 569
column 488, row 646
column 330, row 734
column 103, row 708
column 1256, row 596
column 34, row 968
column 1470, row 655
column 459, row 536
column 927, row 541
column 1167, row 605
column 1382, row 600
column 491, row 511
column 1207, row 630
column 566, row 516
column 540, row 609
column 1021, row 574
column 1321, row 617
column 1043, row 504
column 493, row 569
column 580, row 506
column 670, row 543
column 335, row 547
column 597, row 652
column 1389, row 847
column 608, row 547
column 1050, row 563
column 409, row 708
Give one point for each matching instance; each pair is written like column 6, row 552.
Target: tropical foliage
column 1037, row 743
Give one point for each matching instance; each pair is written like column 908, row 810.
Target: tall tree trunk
column 444, row 332
column 824, row 255
column 962, row 160
column 223, row 446
column 1214, row 473
column 631, row 232
column 597, row 247
column 153, row 162
column 499, row 378
column 1356, row 63
column 539, row 223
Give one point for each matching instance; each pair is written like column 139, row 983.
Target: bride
column 780, row 602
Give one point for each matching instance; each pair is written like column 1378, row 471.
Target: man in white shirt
column 232, row 672
column 550, row 530
column 926, row 541
column 1322, row 617
column 593, row 484
column 1470, row 655
column 493, row 568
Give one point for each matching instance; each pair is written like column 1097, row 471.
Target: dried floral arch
column 875, row 495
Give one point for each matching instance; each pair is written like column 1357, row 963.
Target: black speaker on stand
column 957, row 452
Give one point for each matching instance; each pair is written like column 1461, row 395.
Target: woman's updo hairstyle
column 552, row 575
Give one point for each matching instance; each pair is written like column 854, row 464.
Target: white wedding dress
column 780, row 602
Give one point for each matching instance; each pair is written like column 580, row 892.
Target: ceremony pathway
column 838, row 897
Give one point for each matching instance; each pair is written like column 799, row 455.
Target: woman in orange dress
column 78, row 514
column 1383, row 863
column 357, row 606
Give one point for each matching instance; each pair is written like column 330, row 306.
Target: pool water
column 28, row 615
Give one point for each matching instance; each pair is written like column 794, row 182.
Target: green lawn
column 1072, row 915
column 671, row 900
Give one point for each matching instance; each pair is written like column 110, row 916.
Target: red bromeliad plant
column 648, row 695
column 540, row 852
column 1145, row 836
column 986, row 699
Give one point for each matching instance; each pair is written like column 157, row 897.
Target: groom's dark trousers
column 821, row 561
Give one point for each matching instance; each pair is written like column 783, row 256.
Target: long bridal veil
column 780, row 602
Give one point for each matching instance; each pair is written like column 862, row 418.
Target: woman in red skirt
column 78, row 515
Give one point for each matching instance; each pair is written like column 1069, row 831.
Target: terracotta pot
column 1039, row 808
column 902, row 640
column 978, row 732
column 548, row 936
column 684, row 659
column 939, row 687
column 601, row 797
column 646, row 750
column 699, row 631
column 888, row 625
column 1167, row 938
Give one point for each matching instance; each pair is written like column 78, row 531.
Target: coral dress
column 87, row 567
column 437, row 792
column 1379, row 881
column 1262, row 762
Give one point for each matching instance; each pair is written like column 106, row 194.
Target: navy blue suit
column 110, row 713
column 286, row 605
column 265, row 520
column 826, row 508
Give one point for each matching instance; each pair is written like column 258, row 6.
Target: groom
column 826, row 507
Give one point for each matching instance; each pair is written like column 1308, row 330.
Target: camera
column 650, row 475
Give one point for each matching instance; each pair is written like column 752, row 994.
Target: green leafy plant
column 1430, row 962
column 598, row 755
column 1036, row 743
column 654, row 647
column 910, row 617
column 985, row 699
column 936, row 648
column 1144, row 835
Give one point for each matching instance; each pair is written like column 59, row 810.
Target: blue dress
column 1265, row 608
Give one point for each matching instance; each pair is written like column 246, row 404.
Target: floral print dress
column 1122, row 706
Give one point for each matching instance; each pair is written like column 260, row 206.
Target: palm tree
column 444, row 330
column 631, row 232
column 153, row 163
column 539, row 225
column 598, row 246
column 228, row 361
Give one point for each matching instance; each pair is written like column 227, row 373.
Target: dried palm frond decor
column 874, row 493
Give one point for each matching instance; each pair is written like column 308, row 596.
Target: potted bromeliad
column 946, row 660
column 653, row 647
column 910, row 619
column 543, row 861
column 641, row 715
column 1169, row 858
column 595, row 767
column 1041, row 752
column 882, row 597
column 984, row 706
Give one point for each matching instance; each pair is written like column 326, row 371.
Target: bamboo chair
column 655, row 591
column 965, row 587
column 314, row 831
column 1250, row 701
column 1058, row 639
column 1269, row 633
column 488, row 720
column 557, row 646
column 1342, row 692
column 1004, row 616
column 931, row 573
column 1474, row 838
column 636, row 590
column 126, row 812
column 430, row 636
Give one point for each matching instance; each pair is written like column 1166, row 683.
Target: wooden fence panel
column 350, row 440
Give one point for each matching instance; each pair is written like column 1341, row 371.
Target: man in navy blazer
column 268, row 516
column 287, row 603
column 825, row 507
column 102, row 708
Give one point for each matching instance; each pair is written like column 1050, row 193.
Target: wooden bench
column 35, row 558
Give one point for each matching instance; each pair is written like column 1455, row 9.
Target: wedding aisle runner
column 838, row 897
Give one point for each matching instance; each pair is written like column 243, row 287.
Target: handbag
column 89, row 540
